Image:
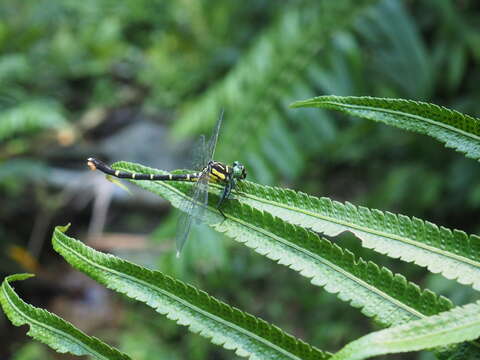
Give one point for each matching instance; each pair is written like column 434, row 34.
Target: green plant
column 89, row 58
column 278, row 224
column 283, row 64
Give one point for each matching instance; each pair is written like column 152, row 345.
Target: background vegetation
column 138, row 80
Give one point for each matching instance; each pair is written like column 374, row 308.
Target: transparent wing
column 212, row 142
column 194, row 208
column 202, row 196
column 183, row 226
column 199, row 154
column 195, row 205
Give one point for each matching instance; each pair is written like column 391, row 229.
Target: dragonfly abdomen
column 95, row 164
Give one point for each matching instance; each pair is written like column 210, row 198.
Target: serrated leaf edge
column 384, row 341
column 359, row 227
column 336, row 268
column 185, row 303
column 79, row 343
column 380, row 293
column 334, row 100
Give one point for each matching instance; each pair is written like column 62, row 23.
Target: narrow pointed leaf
column 223, row 325
column 456, row 130
column 49, row 328
column 452, row 253
column 451, row 327
column 388, row 298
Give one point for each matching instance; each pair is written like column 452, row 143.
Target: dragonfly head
column 239, row 171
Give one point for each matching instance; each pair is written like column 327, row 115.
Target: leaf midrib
column 429, row 335
column 53, row 330
column 400, row 113
column 367, row 230
column 336, row 268
column 308, row 253
column 392, row 236
column 183, row 302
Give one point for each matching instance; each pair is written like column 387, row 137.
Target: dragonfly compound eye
column 239, row 171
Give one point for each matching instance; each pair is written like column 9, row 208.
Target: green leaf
column 203, row 314
column 49, row 328
column 457, row 325
column 456, row 130
column 388, row 298
column 452, row 253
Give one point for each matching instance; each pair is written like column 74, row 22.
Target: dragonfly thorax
column 219, row 172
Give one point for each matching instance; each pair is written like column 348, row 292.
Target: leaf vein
column 185, row 303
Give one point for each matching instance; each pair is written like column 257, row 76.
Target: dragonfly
column 210, row 171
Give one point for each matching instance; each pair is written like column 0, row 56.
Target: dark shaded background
column 139, row 80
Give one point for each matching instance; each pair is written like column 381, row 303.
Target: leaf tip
column 18, row 277
column 63, row 228
column 118, row 183
column 297, row 104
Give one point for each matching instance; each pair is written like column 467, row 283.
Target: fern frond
column 451, row 327
column 220, row 323
column 272, row 72
column 49, row 328
column 452, row 253
column 456, row 130
column 397, row 52
column 29, row 118
column 388, row 298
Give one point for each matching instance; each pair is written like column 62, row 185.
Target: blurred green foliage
column 60, row 61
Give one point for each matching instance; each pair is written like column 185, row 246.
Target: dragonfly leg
column 224, row 216
column 226, row 193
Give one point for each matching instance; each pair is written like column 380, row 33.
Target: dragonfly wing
column 197, row 202
column 212, row 142
column 183, row 229
column 201, row 196
column 193, row 208
column 199, row 154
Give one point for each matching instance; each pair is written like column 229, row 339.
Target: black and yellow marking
column 218, row 173
column 212, row 171
column 215, row 172
column 95, row 164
